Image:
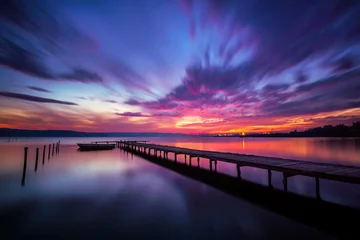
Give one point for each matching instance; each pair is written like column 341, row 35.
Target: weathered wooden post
column 317, row 188
column 238, row 170
column 59, row 147
column 185, row 159
column 210, row 161
column 49, row 151
column 44, row 154
column 175, row 157
column 285, row 182
column 215, row 165
column 198, row 160
column 24, row 168
column 269, row 178
column 37, row 158
column 53, row 148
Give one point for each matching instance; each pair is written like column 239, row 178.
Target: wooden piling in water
column 49, row 151
column 24, row 167
column 44, row 155
column 53, row 148
column 37, row 159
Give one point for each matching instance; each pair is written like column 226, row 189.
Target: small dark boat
column 95, row 146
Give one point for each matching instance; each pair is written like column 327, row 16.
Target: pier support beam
column 317, row 188
column 175, row 157
column 269, row 179
column 198, row 161
column 49, row 151
column 185, row 160
column 238, row 170
column 285, row 177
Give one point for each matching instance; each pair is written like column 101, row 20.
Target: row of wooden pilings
column 55, row 150
column 159, row 153
column 164, row 154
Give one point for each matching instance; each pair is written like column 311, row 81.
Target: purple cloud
column 81, row 75
column 38, row 89
column 111, row 101
column 131, row 114
column 33, row 98
column 41, row 35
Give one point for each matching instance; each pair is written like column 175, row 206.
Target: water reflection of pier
column 329, row 217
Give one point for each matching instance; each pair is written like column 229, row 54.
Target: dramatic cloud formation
column 186, row 65
column 33, row 98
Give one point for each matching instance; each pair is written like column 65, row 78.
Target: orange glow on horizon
column 109, row 122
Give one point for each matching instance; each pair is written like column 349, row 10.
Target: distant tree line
column 339, row 130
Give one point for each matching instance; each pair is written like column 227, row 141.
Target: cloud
column 156, row 114
column 81, row 75
column 38, row 89
column 277, row 41
column 25, row 60
column 337, row 92
column 31, row 33
column 33, row 98
column 131, row 114
column 111, row 101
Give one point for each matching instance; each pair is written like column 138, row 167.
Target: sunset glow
column 179, row 66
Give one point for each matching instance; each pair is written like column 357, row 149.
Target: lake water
column 107, row 194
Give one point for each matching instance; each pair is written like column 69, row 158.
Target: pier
column 311, row 211
column 287, row 167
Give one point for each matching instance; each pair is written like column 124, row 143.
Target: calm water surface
column 113, row 193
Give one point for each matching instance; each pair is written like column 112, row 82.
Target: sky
column 179, row 66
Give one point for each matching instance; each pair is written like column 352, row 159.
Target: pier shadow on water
column 332, row 218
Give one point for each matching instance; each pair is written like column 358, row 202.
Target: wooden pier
column 288, row 167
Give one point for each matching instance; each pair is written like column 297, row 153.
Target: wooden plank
column 349, row 173
column 313, row 167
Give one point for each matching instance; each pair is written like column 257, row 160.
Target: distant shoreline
column 338, row 131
